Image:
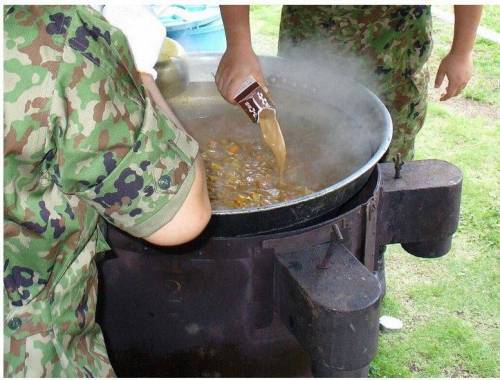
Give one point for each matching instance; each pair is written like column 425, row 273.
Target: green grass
column 266, row 19
column 265, row 22
column 485, row 83
column 444, row 346
column 450, row 305
column 490, row 17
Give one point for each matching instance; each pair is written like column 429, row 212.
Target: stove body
column 292, row 303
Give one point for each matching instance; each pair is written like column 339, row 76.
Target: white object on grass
column 388, row 323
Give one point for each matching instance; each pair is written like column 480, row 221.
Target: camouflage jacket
column 82, row 141
column 385, row 47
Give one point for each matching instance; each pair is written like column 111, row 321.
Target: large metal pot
column 335, row 129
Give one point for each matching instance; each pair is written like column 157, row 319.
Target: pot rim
column 384, row 145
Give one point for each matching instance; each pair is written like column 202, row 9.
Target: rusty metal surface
column 195, row 314
column 160, row 307
column 333, row 312
column 370, row 232
column 233, row 306
column 421, row 209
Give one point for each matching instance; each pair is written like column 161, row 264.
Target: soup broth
column 244, row 174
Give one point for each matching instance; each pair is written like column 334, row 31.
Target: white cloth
column 98, row 8
column 144, row 32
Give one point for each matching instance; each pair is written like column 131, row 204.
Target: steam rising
column 332, row 126
column 348, row 125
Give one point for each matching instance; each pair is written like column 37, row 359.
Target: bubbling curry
column 242, row 171
column 244, row 174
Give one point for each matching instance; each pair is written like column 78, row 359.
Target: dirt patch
column 458, row 371
column 414, row 367
column 465, row 107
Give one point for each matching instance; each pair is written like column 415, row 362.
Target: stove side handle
column 421, row 209
column 332, row 310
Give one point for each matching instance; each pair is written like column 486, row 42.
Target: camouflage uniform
column 82, row 141
column 395, row 42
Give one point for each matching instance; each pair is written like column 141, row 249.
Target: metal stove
column 297, row 302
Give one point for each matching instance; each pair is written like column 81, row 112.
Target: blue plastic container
column 198, row 28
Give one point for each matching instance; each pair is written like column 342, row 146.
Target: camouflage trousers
column 390, row 45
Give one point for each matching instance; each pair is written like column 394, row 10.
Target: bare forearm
column 236, row 25
column 457, row 65
column 191, row 218
column 239, row 61
column 467, row 19
column 157, row 97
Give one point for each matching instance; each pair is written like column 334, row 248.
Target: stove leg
column 429, row 249
column 380, row 272
column 332, row 311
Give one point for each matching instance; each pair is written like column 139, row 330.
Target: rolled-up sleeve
column 144, row 190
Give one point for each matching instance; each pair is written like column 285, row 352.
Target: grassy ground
column 449, row 306
column 490, row 17
column 485, row 85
